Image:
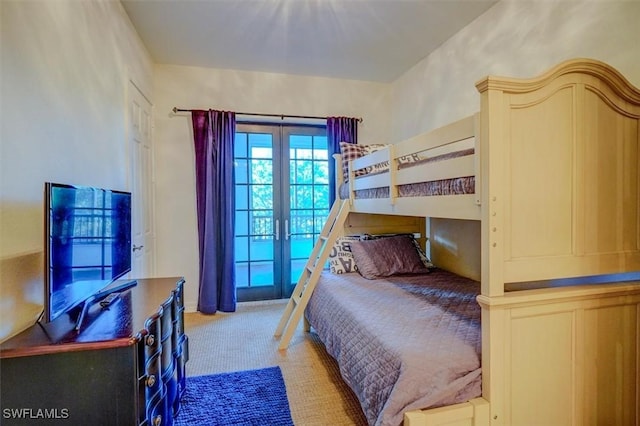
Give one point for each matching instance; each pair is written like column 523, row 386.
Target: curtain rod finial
column 175, row 110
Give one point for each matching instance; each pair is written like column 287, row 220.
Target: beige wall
column 191, row 87
column 65, row 66
column 515, row 38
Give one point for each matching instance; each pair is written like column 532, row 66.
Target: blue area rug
column 253, row 397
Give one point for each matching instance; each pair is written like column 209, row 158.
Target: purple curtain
column 339, row 129
column 213, row 134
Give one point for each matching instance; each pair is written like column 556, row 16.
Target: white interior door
column 141, row 146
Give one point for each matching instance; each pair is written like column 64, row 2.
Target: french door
column 282, row 202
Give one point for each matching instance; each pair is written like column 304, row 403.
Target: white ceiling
column 374, row 40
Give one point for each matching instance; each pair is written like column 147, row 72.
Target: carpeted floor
column 243, row 340
column 243, row 398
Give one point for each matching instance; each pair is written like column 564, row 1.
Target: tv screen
column 87, row 243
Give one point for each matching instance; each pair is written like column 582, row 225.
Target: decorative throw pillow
column 384, row 166
column 350, row 151
column 384, row 257
column 423, row 256
column 425, row 260
column 406, row 159
column 340, row 258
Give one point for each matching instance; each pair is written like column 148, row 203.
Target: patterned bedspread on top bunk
column 402, row 343
column 456, row 186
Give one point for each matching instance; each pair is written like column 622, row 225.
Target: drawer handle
column 150, row 340
column 151, row 380
column 157, row 420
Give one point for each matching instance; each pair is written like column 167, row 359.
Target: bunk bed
column 553, row 163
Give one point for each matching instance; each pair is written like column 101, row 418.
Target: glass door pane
column 308, row 197
column 256, row 244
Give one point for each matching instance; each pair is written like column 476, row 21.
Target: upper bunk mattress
column 402, row 343
column 455, row 186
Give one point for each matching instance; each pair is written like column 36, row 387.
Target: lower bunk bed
column 403, row 342
column 414, row 348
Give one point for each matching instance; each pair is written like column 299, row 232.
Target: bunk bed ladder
column 311, row 273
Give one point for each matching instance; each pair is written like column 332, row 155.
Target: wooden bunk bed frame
column 557, row 199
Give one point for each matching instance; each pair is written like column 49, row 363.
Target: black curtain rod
column 281, row 116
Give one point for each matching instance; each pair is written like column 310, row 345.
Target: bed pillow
column 416, row 244
column 340, row 259
column 351, row 151
column 410, row 158
column 384, row 257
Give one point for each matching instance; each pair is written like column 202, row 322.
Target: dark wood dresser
column 125, row 366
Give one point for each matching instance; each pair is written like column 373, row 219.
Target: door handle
column 287, row 234
column 135, row 247
column 277, row 234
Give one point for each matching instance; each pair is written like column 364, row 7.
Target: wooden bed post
column 560, row 159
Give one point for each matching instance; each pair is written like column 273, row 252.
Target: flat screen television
column 87, row 244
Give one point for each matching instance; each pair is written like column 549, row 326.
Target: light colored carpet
column 243, row 340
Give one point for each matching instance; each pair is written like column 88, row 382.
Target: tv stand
column 99, row 296
column 126, row 366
